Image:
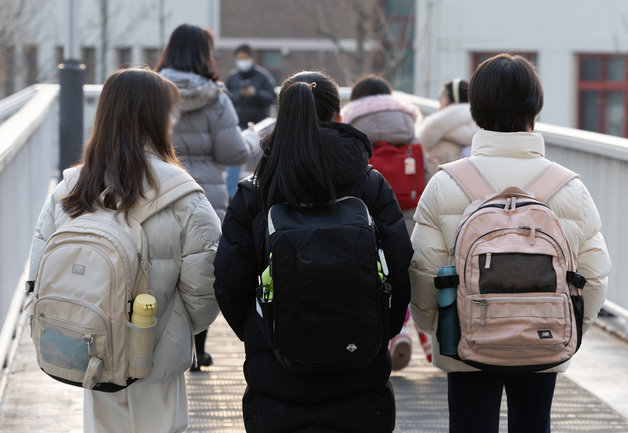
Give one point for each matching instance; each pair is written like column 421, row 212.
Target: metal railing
column 29, row 155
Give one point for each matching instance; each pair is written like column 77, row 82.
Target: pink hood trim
column 370, row 104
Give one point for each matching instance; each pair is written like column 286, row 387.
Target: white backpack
column 518, row 296
column 90, row 271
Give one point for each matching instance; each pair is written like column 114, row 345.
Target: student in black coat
column 313, row 163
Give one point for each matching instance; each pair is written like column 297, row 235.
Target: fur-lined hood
column 196, row 91
column 383, row 118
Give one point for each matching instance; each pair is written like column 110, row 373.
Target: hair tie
column 455, row 87
column 313, row 84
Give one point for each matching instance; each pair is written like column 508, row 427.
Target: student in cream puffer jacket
column 505, row 96
column 181, row 244
column 446, row 134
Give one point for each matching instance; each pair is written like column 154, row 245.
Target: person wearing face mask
column 253, row 92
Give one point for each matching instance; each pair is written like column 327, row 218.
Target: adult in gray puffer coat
column 206, row 135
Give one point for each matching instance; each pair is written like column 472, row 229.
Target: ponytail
column 295, row 166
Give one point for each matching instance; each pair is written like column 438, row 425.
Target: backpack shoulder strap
column 468, row 178
column 169, row 191
column 550, row 181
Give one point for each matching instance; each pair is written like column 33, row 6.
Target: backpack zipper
column 84, row 304
column 483, row 303
column 494, row 205
column 126, row 235
column 504, row 229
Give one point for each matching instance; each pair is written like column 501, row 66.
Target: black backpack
column 323, row 301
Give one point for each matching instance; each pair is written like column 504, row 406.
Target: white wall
column 450, row 30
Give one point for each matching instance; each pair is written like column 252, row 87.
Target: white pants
column 140, row 408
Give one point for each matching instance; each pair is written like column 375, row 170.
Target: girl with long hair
column 206, row 136
column 310, row 159
column 128, row 154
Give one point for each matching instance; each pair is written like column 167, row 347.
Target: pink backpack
column 518, row 296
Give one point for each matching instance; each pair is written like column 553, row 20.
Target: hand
column 248, row 91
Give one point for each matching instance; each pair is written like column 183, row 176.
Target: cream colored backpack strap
column 169, row 191
column 468, row 178
column 550, row 181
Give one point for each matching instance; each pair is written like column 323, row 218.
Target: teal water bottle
column 448, row 332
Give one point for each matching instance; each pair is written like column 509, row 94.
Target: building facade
column 341, row 37
column 579, row 47
column 581, row 50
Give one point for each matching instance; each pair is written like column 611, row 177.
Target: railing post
column 71, row 73
column 70, row 113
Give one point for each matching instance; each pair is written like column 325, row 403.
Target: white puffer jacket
column 182, row 243
column 445, row 133
column 505, row 159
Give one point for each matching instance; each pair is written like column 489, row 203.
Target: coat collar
column 508, row 144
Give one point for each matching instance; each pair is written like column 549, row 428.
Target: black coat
column 254, row 108
column 276, row 401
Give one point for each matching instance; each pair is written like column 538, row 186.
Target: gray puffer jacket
column 206, row 136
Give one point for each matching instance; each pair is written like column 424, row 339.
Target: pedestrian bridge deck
column 32, row 402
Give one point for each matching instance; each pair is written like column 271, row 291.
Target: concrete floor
column 592, row 397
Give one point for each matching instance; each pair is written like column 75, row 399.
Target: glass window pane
column 615, row 69
column 124, row 57
column 272, row 59
column 400, row 7
column 30, row 63
column 590, row 69
column 614, row 113
column 89, row 60
column 590, row 110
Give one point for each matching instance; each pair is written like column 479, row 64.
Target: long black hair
column 190, row 49
column 295, row 167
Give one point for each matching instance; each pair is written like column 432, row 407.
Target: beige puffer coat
column 182, row 243
column 505, row 159
column 445, row 133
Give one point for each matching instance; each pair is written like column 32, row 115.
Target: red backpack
column 402, row 166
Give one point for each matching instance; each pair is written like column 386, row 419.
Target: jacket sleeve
column 44, row 228
column 236, row 265
column 201, row 233
column 395, row 242
column 230, row 147
column 592, row 261
column 47, row 222
column 430, row 253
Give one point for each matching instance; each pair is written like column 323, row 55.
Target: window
column 88, row 57
column 151, row 56
column 478, row 57
column 7, row 70
column 30, row 64
column 273, row 61
column 602, row 93
column 397, row 58
column 124, row 59
column 58, row 55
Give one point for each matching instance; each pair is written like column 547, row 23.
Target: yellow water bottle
column 142, row 336
column 144, row 310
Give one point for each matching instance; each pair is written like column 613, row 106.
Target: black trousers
column 475, row 400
